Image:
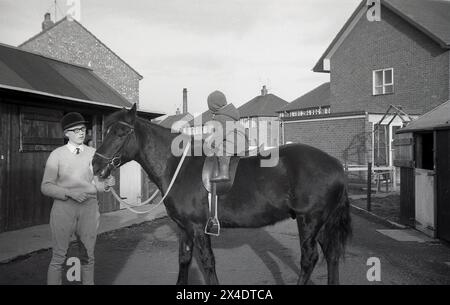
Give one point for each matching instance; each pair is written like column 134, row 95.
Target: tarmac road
column 148, row 254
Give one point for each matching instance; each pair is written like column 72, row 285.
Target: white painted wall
column 130, row 183
column 425, row 202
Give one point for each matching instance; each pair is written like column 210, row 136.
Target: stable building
column 423, row 155
column 68, row 40
column 35, row 93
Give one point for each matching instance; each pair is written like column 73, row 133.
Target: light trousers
column 66, row 219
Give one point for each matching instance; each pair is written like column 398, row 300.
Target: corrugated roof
column 262, row 105
column 437, row 118
column 432, row 17
column 184, row 119
column 27, row 70
column 318, row 97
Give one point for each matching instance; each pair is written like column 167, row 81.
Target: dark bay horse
column 307, row 185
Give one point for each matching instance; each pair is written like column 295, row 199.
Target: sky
column 235, row 46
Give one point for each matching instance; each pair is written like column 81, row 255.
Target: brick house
column 260, row 117
column 68, row 40
column 402, row 60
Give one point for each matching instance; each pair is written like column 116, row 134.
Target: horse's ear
column 132, row 113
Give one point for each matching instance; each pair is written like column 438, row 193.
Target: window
column 40, row 129
column 383, row 81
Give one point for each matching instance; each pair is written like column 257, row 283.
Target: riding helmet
column 72, row 119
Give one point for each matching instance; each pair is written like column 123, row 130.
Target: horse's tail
column 338, row 227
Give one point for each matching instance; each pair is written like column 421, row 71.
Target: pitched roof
column 183, row 119
column 36, row 73
column 319, row 96
column 262, row 105
column 89, row 32
column 201, row 119
column 437, row 118
column 432, row 17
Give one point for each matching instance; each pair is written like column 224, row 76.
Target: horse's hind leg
column 184, row 256
column 203, row 244
column 308, row 228
column 332, row 258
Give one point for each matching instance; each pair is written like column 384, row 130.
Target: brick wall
column 68, row 41
column 348, row 140
column 421, row 67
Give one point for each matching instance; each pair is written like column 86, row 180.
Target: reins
column 130, row 206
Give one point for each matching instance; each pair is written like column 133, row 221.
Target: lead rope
column 129, row 206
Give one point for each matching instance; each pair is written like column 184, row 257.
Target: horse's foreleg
column 308, row 228
column 184, row 256
column 203, row 244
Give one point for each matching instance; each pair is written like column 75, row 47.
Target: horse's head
column 119, row 143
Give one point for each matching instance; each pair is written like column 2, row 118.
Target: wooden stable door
column 443, row 183
column 5, row 114
column 28, row 136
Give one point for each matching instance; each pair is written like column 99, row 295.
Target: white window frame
column 383, row 84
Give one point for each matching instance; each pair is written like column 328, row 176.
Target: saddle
column 211, row 169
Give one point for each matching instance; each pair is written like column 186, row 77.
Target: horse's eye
column 121, row 133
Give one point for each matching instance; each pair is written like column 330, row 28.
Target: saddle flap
column 211, row 169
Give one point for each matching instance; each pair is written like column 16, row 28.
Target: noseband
column 116, row 160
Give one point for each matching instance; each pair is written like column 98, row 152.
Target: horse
column 307, row 185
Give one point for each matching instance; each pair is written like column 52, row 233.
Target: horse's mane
column 121, row 116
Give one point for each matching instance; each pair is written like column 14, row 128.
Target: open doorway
column 424, row 150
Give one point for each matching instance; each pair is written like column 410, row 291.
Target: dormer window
column 383, row 81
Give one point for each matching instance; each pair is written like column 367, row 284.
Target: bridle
column 116, row 160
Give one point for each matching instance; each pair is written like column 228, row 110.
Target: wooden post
column 386, row 178
column 369, row 186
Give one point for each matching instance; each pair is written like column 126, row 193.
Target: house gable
column 69, row 41
column 431, row 17
column 421, row 67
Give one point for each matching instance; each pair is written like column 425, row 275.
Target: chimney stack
column 185, row 107
column 47, row 23
column 264, row 90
